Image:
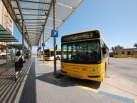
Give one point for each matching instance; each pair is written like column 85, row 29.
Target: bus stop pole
column 43, row 47
column 31, row 50
column 7, row 57
column 37, row 51
column 22, row 38
column 40, row 49
column 54, row 37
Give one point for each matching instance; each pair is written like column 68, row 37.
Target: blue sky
column 116, row 19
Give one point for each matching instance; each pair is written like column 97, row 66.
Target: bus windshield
column 86, row 52
column 41, row 53
column 47, row 53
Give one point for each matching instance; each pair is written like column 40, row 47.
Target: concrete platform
column 39, row 85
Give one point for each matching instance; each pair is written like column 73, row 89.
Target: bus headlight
column 93, row 70
column 63, row 67
column 98, row 69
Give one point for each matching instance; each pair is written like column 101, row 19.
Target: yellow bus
column 84, row 55
column 49, row 54
column 41, row 54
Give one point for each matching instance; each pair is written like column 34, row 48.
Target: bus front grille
column 93, row 76
column 63, row 72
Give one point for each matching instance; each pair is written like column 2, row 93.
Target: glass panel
column 69, row 52
column 29, row 4
column 58, row 52
column 81, row 52
column 10, row 58
column 27, row 11
column 2, row 62
column 52, row 53
column 41, row 52
column 64, row 52
column 47, row 53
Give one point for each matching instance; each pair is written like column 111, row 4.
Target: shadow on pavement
column 11, row 91
column 29, row 91
column 65, row 81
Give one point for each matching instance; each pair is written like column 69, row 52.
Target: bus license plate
column 79, row 77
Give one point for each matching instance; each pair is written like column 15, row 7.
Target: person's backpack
column 21, row 59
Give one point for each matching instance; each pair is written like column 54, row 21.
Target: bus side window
column 104, row 50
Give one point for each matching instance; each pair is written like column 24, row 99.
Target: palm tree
column 135, row 45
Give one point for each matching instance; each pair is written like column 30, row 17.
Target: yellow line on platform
column 53, row 78
column 87, row 88
column 135, row 101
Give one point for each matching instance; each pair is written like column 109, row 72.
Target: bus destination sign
column 80, row 36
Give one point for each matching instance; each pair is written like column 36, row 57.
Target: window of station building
column 122, row 52
column 128, row 53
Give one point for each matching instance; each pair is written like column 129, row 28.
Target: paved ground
column 38, row 85
column 121, row 77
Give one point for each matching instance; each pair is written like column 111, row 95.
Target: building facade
column 128, row 52
column 7, row 22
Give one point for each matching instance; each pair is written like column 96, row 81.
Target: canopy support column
column 43, row 47
column 22, row 38
column 54, row 37
column 40, row 49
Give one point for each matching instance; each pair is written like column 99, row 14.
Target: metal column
column 40, row 49
column 22, row 38
column 54, row 37
column 7, row 57
column 31, row 50
column 37, row 51
column 43, row 47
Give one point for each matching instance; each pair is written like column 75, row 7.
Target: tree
column 112, row 48
column 135, row 45
column 119, row 47
column 116, row 47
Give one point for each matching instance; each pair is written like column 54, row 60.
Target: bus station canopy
column 17, row 46
column 5, row 36
column 36, row 16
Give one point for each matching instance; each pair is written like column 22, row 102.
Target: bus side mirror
column 104, row 50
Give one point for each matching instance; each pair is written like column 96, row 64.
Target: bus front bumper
column 88, row 76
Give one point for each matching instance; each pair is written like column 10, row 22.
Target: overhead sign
column 38, row 48
column 54, row 33
column 43, row 44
